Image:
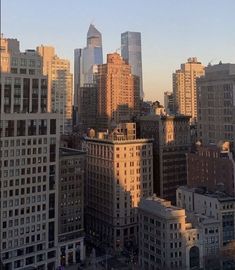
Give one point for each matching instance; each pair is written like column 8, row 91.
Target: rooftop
column 70, row 152
column 161, row 207
column 121, row 141
column 220, row 196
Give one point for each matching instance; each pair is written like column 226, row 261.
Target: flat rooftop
column 221, row 196
column 71, row 152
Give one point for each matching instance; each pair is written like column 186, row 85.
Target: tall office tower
column 216, row 105
column 85, row 65
column 131, row 53
column 212, row 167
column 116, row 92
column 168, row 241
column 88, row 106
column 185, row 88
column 76, row 84
column 119, row 174
column 71, row 206
column 171, row 136
column 60, row 86
column 169, row 102
column 29, row 144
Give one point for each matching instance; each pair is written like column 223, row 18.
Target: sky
column 171, row 30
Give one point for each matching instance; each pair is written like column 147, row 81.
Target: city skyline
column 167, row 40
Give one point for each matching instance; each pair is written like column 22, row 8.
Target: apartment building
column 71, row 206
column 29, row 156
column 60, row 86
column 216, row 106
column 171, row 136
column 118, row 94
column 212, row 167
column 185, row 87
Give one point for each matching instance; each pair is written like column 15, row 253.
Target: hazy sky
column 172, row 30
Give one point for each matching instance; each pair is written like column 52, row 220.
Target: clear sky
column 172, row 30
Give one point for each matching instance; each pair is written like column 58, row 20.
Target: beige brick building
column 119, row 174
column 29, row 156
column 60, row 86
column 185, row 89
column 166, row 239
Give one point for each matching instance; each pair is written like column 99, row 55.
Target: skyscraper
column 216, row 105
column 131, row 52
column 29, row 144
column 60, row 86
column 85, row 62
column 185, row 89
column 117, row 93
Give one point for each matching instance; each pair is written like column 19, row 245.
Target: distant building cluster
column 90, row 172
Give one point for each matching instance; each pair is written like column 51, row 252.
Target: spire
column 94, row 37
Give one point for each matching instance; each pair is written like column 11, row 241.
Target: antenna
column 212, row 60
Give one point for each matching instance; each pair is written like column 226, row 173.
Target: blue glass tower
column 131, row 52
column 85, row 63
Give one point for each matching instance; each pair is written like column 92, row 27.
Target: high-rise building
column 88, row 106
column 171, row 136
column 60, row 86
column 85, row 65
column 131, row 53
column 166, row 239
column 71, row 206
column 119, row 174
column 211, row 167
column 169, row 102
column 29, row 143
column 185, row 88
column 117, row 92
column 216, row 105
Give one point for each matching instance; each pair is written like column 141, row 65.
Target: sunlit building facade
column 60, row 86
column 119, row 174
column 118, row 93
column 185, row 88
column 29, row 143
column 166, row 239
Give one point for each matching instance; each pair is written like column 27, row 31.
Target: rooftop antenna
column 118, row 49
column 212, row 60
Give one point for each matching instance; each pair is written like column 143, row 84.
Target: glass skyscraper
column 131, row 52
column 85, row 65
